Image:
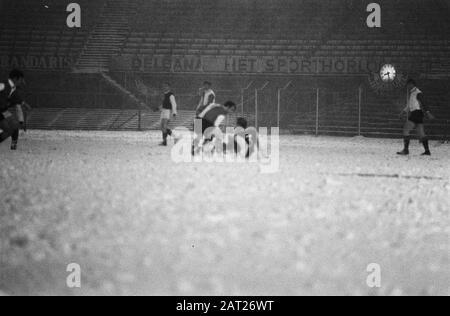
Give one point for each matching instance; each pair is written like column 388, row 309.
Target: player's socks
column 405, row 151
column 164, row 142
column 14, row 146
column 426, row 145
column 193, row 149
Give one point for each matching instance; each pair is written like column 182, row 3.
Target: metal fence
column 304, row 110
column 354, row 111
column 350, row 111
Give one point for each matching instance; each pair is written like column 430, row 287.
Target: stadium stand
column 249, row 28
column 107, row 36
column 294, row 28
column 101, row 119
column 38, row 28
column 108, row 119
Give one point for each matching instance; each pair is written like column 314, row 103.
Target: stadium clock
column 388, row 73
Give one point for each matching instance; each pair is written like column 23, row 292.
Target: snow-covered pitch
column 137, row 223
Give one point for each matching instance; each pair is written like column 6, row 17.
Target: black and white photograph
column 227, row 155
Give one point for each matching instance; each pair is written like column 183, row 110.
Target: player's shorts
column 205, row 125
column 166, row 114
column 417, row 117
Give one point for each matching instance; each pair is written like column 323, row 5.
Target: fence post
column 317, row 112
column 279, row 108
column 256, row 109
column 242, row 102
column 256, row 102
column 139, row 120
column 124, row 98
column 243, row 97
column 279, row 103
column 359, row 109
column 407, row 102
column 100, row 91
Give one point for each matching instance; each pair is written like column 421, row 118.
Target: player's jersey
column 205, row 97
column 167, row 104
column 214, row 113
column 203, row 105
column 413, row 101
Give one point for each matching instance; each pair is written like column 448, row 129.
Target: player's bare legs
column 409, row 126
column 423, row 139
column 165, row 131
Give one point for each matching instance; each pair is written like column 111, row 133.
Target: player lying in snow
column 12, row 106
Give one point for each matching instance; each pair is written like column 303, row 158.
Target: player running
column 417, row 110
column 11, row 111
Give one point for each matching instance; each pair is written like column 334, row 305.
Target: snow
column 137, row 223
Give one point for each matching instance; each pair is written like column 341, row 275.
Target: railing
column 318, row 111
column 354, row 112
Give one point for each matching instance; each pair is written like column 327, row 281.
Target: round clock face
column 388, row 73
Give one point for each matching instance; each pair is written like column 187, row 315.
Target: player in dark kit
column 169, row 109
column 417, row 110
column 11, row 102
column 211, row 118
column 216, row 114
